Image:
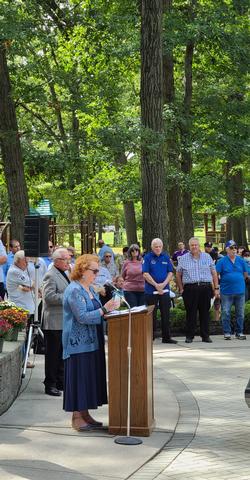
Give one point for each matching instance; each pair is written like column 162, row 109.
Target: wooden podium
column 142, row 407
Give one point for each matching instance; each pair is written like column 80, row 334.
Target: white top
column 16, row 277
column 41, row 270
column 2, row 252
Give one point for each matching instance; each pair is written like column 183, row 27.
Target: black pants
column 54, row 368
column 164, row 304
column 2, row 290
column 197, row 298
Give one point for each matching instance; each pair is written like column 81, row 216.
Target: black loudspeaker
column 36, row 236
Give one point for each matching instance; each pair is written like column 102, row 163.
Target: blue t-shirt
column 158, row 266
column 232, row 281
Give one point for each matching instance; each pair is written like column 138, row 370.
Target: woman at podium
column 83, row 345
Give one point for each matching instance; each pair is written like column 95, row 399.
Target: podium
column 142, row 405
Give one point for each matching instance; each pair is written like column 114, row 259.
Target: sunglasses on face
column 233, row 248
column 108, row 256
column 94, row 270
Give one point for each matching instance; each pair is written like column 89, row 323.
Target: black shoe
column 240, row 336
column 60, row 387
column 188, row 340
column 169, row 340
column 53, row 391
column 207, row 340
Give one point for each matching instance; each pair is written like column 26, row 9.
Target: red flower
column 4, row 327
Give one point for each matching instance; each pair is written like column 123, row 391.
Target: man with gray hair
column 19, row 283
column 198, row 283
column 54, row 283
column 157, row 270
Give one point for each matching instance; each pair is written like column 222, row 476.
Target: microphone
column 117, row 291
column 112, row 287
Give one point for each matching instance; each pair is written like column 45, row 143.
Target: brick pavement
column 212, row 436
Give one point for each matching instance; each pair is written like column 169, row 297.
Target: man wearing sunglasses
column 54, row 283
column 232, row 272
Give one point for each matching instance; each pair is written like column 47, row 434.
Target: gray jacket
column 54, row 285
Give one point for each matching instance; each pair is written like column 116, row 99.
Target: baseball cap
column 208, row 244
column 231, row 243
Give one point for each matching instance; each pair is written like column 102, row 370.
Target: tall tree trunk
column 11, row 152
column 185, row 131
column 174, row 193
column 128, row 207
column 130, row 222
column 154, row 205
column 236, row 222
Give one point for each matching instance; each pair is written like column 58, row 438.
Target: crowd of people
column 76, row 295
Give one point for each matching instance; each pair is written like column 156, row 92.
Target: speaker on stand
column 36, row 237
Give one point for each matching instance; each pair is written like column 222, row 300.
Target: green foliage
column 75, row 76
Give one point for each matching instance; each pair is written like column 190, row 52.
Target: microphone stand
column 128, row 440
column 35, row 325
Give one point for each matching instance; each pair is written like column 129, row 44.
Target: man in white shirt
column 19, row 283
column 3, row 260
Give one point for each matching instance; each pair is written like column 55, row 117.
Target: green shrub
column 179, row 303
column 177, row 319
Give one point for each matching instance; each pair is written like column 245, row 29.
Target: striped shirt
column 196, row 269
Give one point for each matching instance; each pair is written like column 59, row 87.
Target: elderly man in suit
column 54, row 283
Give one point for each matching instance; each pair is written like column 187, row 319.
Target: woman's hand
column 112, row 304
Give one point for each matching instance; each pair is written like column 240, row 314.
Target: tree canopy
column 81, row 86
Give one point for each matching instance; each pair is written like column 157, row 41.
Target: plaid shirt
column 195, row 269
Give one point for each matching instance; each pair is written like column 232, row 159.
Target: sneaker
column 240, row 336
column 227, row 336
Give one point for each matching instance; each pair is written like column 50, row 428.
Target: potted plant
column 15, row 316
column 5, row 327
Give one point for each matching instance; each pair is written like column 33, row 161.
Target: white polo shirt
column 16, row 277
column 2, row 252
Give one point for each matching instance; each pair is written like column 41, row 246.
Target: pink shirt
column 133, row 277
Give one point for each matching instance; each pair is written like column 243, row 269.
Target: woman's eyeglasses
column 94, row 270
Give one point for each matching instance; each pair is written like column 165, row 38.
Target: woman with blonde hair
column 83, row 345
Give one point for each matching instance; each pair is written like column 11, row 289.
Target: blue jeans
column 226, row 304
column 134, row 299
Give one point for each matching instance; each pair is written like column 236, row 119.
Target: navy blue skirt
column 85, row 384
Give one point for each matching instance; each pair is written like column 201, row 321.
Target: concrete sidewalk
column 202, row 424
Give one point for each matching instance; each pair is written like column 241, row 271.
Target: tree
column 11, row 151
column 154, row 205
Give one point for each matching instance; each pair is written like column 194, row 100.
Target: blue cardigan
column 79, row 320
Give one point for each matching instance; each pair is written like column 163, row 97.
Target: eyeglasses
column 64, row 259
column 94, row 270
column 107, row 256
column 135, row 250
column 233, row 248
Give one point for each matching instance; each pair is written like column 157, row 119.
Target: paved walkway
column 202, row 424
